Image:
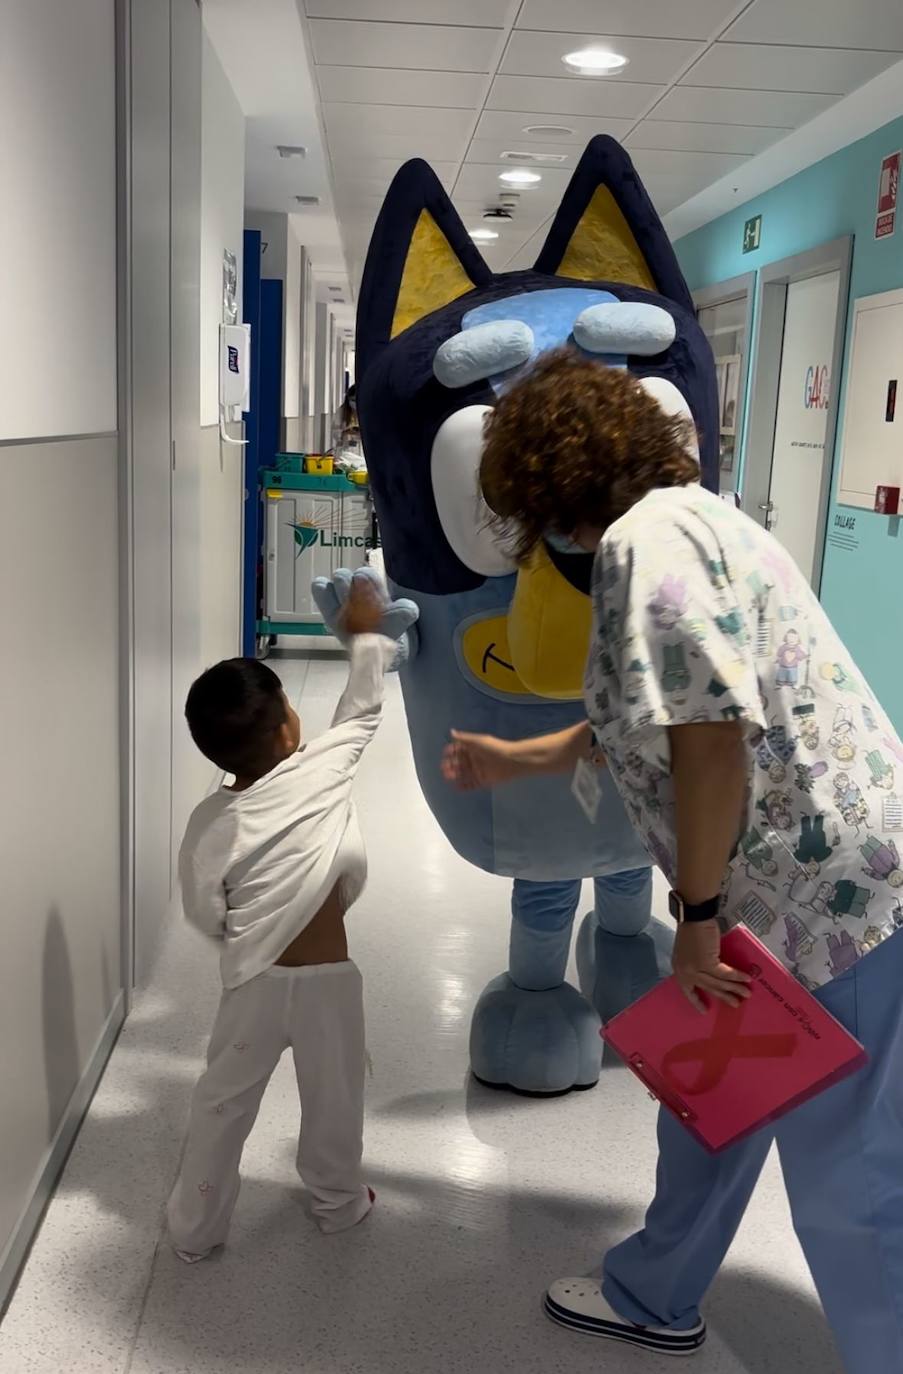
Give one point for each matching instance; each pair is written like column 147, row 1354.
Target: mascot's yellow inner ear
column 432, row 275
column 602, row 248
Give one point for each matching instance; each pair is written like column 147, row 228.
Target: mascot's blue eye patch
column 502, row 336
column 632, row 327
column 483, row 351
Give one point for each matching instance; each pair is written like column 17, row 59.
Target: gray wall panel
column 151, row 474
column 59, row 737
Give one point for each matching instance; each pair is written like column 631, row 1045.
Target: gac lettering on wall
column 816, row 388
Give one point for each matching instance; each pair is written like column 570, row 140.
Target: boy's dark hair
column 234, row 711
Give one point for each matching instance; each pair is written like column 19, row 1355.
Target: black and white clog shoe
column 579, row 1305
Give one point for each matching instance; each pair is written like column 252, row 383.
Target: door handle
column 767, row 506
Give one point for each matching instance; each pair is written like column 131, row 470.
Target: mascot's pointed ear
column 607, row 229
column 420, row 258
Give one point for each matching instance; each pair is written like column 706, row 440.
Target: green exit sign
column 752, row 234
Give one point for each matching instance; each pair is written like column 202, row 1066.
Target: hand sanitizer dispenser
column 234, row 375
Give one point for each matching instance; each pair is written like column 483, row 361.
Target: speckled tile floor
column 482, row 1197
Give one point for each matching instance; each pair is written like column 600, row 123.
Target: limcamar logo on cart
column 307, row 535
column 815, row 390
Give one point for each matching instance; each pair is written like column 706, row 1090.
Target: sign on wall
column 888, row 189
column 752, row 234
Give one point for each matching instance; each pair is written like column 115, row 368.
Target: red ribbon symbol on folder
column 716, row 1054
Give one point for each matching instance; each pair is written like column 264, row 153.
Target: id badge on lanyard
column 586, row 783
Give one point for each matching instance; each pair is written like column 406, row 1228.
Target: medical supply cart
column 313, row 524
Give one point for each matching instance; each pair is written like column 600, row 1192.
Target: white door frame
column 767, row 355
column 719, row 293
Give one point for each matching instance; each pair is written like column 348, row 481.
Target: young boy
column 269, row 866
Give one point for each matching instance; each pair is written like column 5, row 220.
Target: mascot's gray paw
column 535, row 1042
column 397, row 621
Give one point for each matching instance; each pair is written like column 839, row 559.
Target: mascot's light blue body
column 500, row 649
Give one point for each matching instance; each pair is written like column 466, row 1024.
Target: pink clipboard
column 728, row 1073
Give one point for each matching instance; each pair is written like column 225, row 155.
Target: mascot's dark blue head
column 439, row 336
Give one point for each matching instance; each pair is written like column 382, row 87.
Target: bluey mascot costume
column 497, row 648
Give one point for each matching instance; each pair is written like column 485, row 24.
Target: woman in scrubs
column 745, row 744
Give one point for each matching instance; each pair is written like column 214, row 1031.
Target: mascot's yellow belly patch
column 549, row 628
column 487, row 656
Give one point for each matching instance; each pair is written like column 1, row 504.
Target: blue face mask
column 561, row 544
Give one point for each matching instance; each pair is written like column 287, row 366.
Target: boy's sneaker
column 579, row 1305
column 188, row 1258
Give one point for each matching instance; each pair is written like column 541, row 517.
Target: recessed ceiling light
column 483, row 235
column 549, row 130
column 519, row 176
column 595, row 61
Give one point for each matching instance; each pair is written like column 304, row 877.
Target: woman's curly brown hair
column 576, row 443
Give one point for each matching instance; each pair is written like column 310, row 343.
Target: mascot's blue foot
column 542, row 1043
column 615, row 970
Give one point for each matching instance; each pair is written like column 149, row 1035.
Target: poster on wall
column 888, row 189
column 731, row 395
column 230, row 288
column 804, row 397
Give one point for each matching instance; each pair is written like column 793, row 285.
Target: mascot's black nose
column 575, row 568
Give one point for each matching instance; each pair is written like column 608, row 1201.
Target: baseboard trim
column 15, row 1253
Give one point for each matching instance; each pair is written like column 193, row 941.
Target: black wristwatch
column 691, row 913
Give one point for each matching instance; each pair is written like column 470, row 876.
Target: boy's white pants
column 317, row 1010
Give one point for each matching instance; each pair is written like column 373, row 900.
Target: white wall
column 58, row 223
column 222, row 212
column 291, row 347
column 61, row 968
column 282, row 260
column 221, row 465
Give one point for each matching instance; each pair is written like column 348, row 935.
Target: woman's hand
column 697, row 966
column 473, row 761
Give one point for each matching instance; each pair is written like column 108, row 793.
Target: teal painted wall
column 860, row 588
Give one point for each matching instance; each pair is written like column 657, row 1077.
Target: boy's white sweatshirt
column 257, row 866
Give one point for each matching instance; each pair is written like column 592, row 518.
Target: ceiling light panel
column 655, row 61
column 827, row 71
column 781, row 109
column 482, row 13
column 397, row 86
column 355, row 120
column 654, row 162
column 653, row 18
column 509, row 127
column 481, row 182
column 434, row 147
column 424, row 47
column 703, row 138
column 566, row 95
column 837, row 24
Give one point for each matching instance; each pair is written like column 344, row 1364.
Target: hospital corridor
column 451, row 716
column 472, row 1184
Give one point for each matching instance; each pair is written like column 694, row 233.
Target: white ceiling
column 710, row 85
column 261, row 46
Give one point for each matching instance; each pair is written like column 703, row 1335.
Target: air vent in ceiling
column 540, row 158
column 307, row 200
column 291, row 150
column 549, row 130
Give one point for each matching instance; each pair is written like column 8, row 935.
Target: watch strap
column 693, row 913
